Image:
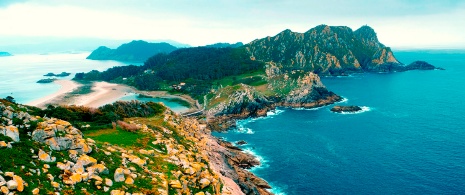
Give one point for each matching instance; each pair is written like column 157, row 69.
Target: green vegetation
column 197, row 68
column 114, row 136
column 101, row 118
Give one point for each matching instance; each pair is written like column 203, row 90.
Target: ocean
column 19, row 74
column 409, row 138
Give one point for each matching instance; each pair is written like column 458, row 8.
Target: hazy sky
column 398, row 23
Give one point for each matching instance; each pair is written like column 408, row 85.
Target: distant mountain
column 138, row 51
column 225, row 45
column 45, row 45
column 326, row 50
column 4, row 54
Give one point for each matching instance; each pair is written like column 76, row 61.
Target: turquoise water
column 409, row 140
column 19, row 73
column 174, row 106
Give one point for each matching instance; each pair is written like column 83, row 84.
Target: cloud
column 207, row 21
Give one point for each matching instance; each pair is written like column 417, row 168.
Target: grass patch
column 113, row 136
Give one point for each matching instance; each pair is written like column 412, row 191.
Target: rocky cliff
column 326, row 50
column 169, row 154
column 297, row 89
column 135, row 51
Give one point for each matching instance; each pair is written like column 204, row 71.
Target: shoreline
column 101, row 93
column 66, row 87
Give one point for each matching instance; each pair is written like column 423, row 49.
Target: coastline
column 66, row 86
column 101, row 93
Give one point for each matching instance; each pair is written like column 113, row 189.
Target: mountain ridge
column 326, row 50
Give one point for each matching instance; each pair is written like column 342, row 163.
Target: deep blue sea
column 409, row 140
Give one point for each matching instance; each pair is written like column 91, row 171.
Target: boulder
column 119, row 175
column 117, row 192
column 2, row 180
column 204, row 183
column 98, row 168
column 129, row 181
column 55, row 184
column 20, row 183
column 86, row 160
column 241, row 142
column 176, row 184
column 12, row 185
column 46, row 157
column 108, row 182
column 5, row 189
column 35, row 191
column 12, row 132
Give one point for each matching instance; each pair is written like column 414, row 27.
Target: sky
column 398, row 23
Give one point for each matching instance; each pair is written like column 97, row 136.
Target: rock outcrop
column 295, row 89
column 421, row 65
column 341, row 109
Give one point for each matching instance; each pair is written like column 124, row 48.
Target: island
column 4, row 54
column 62, row 74
column 135, row 51
column 46, row 80
column 345, row 109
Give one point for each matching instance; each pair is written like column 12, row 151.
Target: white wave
column 263, row 162
column 274, row 112
column 317, row 108
column 364, row 109
column 241, row 129
column 343, row 100
column 276, row 190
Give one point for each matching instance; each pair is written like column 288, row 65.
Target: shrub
column 128, row 127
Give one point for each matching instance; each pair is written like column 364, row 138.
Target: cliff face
column 138, row 51
column 290, row 89
column 325, row 50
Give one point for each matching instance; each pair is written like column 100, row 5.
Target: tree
column 10, row 99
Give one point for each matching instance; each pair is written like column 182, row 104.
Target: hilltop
column 326, row 50
column 136, row 51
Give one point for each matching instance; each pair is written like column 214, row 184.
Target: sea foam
column 364, row 109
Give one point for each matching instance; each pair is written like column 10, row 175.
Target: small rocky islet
column 346, row 109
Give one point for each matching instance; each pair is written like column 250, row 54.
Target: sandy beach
column 101, row 93
column 67, row 86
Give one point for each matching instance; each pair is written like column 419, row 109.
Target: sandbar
column 66, row 86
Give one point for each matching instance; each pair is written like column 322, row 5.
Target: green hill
column 135, row 51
